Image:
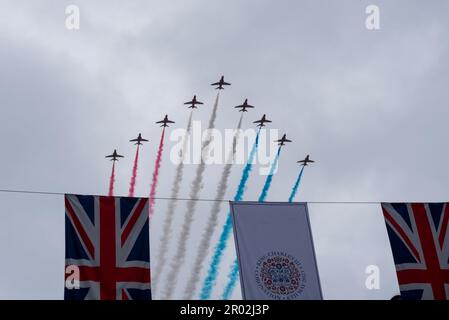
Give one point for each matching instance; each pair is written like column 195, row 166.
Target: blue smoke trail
column 246, row 171
column 296, row 186
column 234, row 274
column 267, row 184
column 227, row 228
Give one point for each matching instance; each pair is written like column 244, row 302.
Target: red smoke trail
column 132, row 184
column 112, row 180
column 157, row 165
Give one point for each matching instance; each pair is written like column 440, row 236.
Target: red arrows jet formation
column 194, row 103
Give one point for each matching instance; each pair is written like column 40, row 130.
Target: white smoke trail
column 179, row 257
column 212, row 222
column 167, row 226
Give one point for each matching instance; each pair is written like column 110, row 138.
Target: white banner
column 275, row 251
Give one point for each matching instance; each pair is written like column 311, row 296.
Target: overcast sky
column 371, row 107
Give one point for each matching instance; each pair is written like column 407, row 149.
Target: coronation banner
column 275, row 251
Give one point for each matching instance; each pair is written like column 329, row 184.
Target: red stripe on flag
column 131, row 274
column 133, row 220
column 107, row 248
column 429, row 249
column 399, row 230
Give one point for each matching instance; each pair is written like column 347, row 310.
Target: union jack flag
column 107, row 242
column 419, row 238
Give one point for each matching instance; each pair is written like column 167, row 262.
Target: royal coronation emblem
column 280, row 276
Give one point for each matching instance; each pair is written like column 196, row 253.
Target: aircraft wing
column 283, row 140
column 215, row 84
column 169, row 121
column 134, row 140
column 226, row 83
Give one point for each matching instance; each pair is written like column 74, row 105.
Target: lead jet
column 306, row 161
column 244, row 106
column 220, row 84
column 283, row 140
column 165, row 121
column 138, row 140
column 261, row 122
column 114, row 156
column 193, row 103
